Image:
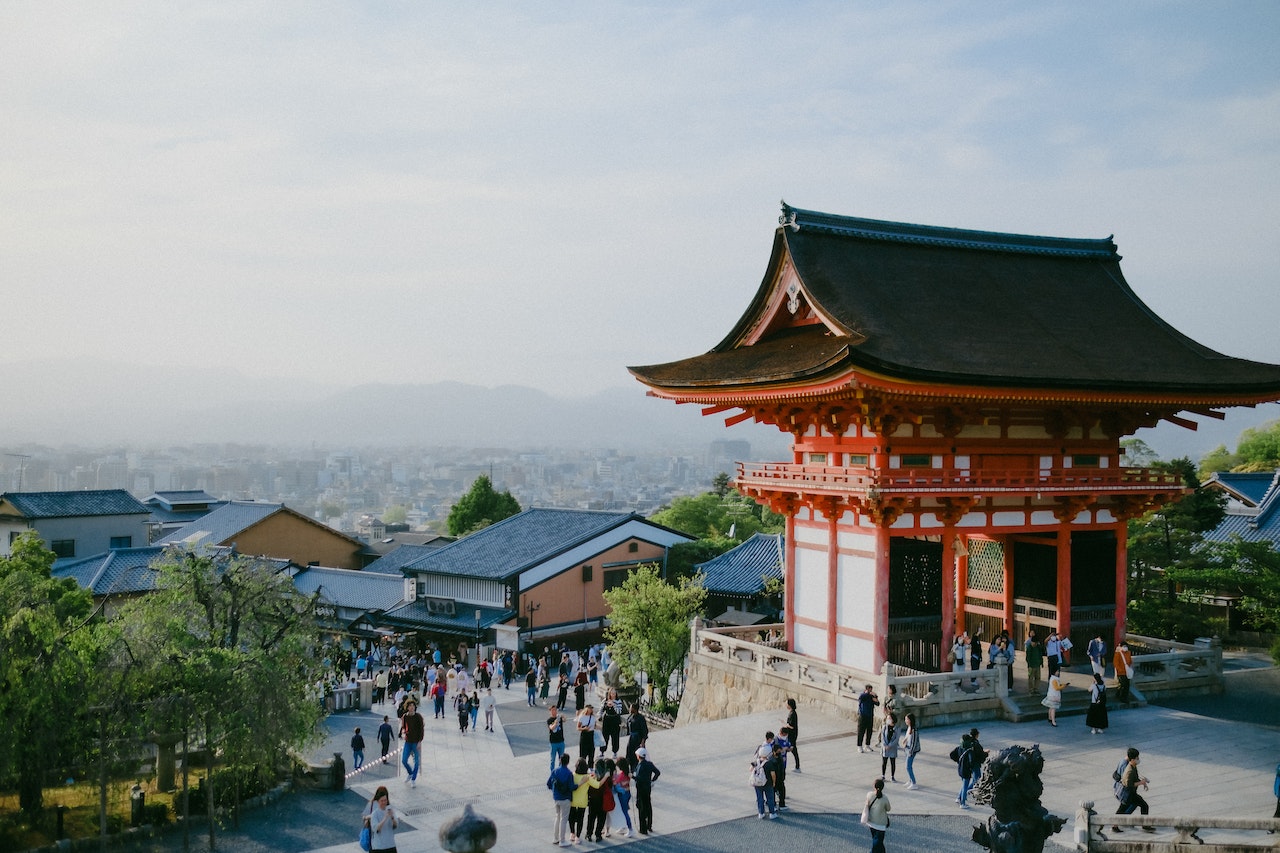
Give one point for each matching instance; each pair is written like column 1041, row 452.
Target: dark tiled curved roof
column 742, row 570
column 75, row 504
column 951, row 306
column 519, row 542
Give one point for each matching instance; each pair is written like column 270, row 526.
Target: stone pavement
column 1198, row 765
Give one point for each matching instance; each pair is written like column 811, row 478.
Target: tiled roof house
column 74, row 524
column 272, row 530
column 548, row 567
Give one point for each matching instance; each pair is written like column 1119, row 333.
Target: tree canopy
column 49, row 653
column 714, row 516
column 480, row 507
column 1258, row 449
column 1171, row 537
column 649, row 625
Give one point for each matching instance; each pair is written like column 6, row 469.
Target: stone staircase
column 1022, row 707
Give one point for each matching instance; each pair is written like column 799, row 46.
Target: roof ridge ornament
column 788, row 220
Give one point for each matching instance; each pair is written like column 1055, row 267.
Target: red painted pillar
column 948, row 590
column 789, row 582
column 1122, row 583
column 833, row 576
column 1064, row 581
column 962, row 589
column 880, row 628
column 1006, row 581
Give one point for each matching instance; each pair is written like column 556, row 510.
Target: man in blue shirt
column 561, row 785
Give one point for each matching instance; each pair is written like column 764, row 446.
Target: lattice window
column 986, row 566
column 915, row 572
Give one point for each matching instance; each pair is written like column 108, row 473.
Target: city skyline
column 324, row 196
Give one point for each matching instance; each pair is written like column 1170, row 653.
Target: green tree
column 49, row 649
column 1259, row 448
column 720, row 484
column 1249, row 570
column 712, row 516
column 480, row 507
column 649, row 625
column 395, row 514
column 235, row 638
column 1170, row 537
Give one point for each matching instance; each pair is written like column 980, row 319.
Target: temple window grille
column 986, row 566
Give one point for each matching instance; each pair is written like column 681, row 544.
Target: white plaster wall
column 856, row 576
column 854, row 652
column 811, row 641
column 811, row 584
column 1044, row 517
column 1008, row 519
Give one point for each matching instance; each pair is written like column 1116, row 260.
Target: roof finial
column 788, row 217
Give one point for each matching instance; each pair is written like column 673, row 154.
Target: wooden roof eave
column 808, row 387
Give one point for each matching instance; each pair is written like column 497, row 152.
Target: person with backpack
column 560, row 784
column 762, row 785
column 962, row 755
column 1126, row 788
column 875, row 815
column 357, row 750
column 1096, row 718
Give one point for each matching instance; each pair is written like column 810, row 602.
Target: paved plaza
column 1207, row 756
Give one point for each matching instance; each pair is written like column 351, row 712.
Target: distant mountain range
column 57, row 402
column 64, row 402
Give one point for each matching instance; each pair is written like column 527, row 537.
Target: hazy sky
column 542, row 194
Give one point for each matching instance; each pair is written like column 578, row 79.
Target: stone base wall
column 716, row 692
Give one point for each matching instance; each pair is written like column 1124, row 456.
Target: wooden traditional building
column 956, row 401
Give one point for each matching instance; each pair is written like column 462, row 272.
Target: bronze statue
column 1011, row 785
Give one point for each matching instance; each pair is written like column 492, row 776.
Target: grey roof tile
column 741, row 571
column 75, row 504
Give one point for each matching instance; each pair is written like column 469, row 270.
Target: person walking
column 1035, row 660
column 1096, row 717
column 562, row 693
column 875, row 815
column 555, row 729
column 793, row 725
column 357, row 750
column 1053, row 699
column 383, row 821
column 911, row 744
column 385, row 733
column 1053, row 653
column 889, row 747
column 762, row 786
column 867, row 703
column 646, row 773
column 775, row 767
column 962, row 755
column 531, row 686
column 462, row 704
column 611, row 722
column 1097, row 652
column 638, row 733
column 585, row 723
column 412, row 729
column 1127, row 789
column 1122, row 660
column 488, row 703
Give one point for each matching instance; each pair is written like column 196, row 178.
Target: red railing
column 917, row 481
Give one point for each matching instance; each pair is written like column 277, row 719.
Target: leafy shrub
column 1174, row 620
